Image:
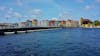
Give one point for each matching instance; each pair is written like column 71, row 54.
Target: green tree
column 97, row 23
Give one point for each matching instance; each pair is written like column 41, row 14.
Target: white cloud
column 22, row 2
column 35, row 11
column 10, row 10
column 19, row 2
column 64, row 15
column 2, row 8
column 7, row 16
column 42, row 0
column 6, row 10
column 54, row 18
column 97, row 0
column 80, row 1
column 16, row 14
column 89, row 7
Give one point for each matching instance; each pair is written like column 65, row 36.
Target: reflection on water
column 62, row 42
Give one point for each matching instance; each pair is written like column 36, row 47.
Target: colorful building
column 6, row 25
column 75, row 24
column 22, row 25
column 69, row 23
column 81, row 22
column 72, row 23
column 57, row 23
column 44, row 23
column 34, row 23
column 28, row 23
column 62, row 23
column 51, row 23
column 15, row 25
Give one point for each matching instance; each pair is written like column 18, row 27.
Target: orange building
column 34, row 23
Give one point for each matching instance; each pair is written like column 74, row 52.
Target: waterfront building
column 62, row 23
column 54, row 22
column 22, row 25
column 68, row 23
column 87, row 23
column 44, row 23
column 38, row 24
column 28, row 23
column 75, row 24
column 3, row 26
column 34, row 23
column 72, row 23
column 15, row 25
column 81, row 21
column 51, row 23
column 6, row 25
column 57, row 23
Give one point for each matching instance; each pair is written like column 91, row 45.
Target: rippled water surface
column 60, row 42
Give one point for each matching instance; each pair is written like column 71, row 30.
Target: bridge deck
column 24, row 29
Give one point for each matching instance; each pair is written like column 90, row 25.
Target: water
column 62, row 42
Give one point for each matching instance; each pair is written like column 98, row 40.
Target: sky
column 22, row 10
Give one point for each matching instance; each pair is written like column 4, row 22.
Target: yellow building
column 68, row 23
column 88, row 25
column 34, row 23
column 81, row 22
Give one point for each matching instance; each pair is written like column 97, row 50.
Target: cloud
column 42, row 0
column 2, row 8
column 54, row 18
column 97, row 15
column 16, row 14
column 13, row 13
column 64, row 15
column 35, row 11
column 97, row 0
column 9, row 10
column 89, row 7
column 19, row 2
column 23, row 2
column 6, row 9
column 7, row 16
column 80, row 1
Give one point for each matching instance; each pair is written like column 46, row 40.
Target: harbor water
column 57, row 42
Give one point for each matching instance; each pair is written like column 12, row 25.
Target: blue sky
column 15, row 10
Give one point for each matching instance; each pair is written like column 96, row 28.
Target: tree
column 97, row 23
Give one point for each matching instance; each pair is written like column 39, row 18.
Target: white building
column 44, row 23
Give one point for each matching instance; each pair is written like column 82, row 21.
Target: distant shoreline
column 81, row 27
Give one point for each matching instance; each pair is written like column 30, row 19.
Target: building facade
column 44, row 23
column 34, row 23
column 28, row 23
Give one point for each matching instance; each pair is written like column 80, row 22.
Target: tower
column 81, row 21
